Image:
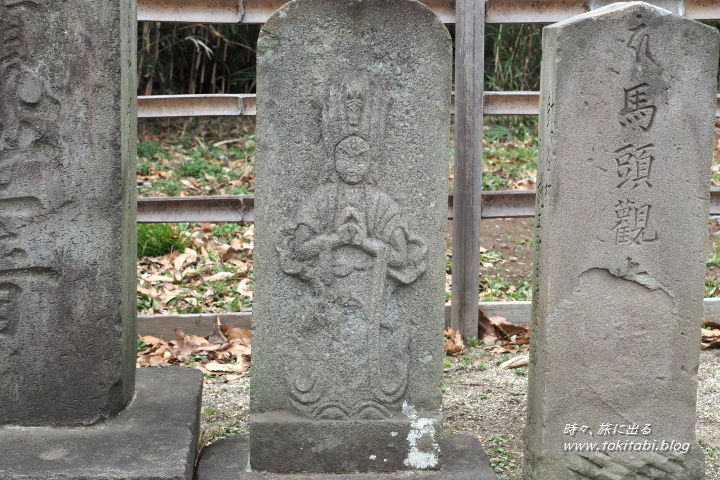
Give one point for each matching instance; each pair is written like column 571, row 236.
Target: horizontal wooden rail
column 219, row 208
column 159, row 106
column 202, row 324
column 495, row 204
column 497, row 11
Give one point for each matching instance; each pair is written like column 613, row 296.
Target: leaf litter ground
column 213, row 274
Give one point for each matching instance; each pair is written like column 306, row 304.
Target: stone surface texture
column 626, row 128
column 463, row 459
column 67, row 210
column 154, row 438
column 353, row 122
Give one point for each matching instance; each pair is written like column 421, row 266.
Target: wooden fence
column 466, row 206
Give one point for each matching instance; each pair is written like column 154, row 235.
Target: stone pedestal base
column 463, row 458
column 286, row 443
column 155, row 437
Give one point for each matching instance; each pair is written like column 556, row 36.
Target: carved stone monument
column 626, row 128
column 67, row 250
column 353, row 123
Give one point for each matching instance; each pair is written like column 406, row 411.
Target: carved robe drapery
column 348, row 317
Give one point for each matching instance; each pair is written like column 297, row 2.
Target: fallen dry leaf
column 218, row 277
column 237, row 334
column 217, row 336
column 453, row 344
column 215, row 367
column 159, row 278
column 505, row 349
column 238, row 350
column 179, row 262
column 526, row 184
column 515, row 362
column 510, row 333
column 506, row 328
column 243, row 289
column 485, row 327
column 711, row 324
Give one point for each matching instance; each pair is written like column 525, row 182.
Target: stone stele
column 353, row 118
column 67, row 212
column 67, row 254
column 626, row 128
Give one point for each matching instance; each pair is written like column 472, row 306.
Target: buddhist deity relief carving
column 352, row 247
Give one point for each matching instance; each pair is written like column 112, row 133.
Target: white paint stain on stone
column 409, row 410
column 419, row 456
column 393, row 434
column 373, row 457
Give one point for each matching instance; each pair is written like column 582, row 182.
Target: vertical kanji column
column 626, row 129
column 67, row 211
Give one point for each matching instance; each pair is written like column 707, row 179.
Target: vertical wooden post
column 469, row 76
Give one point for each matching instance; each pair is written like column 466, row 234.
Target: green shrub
column 149, row 149
column 158, row 239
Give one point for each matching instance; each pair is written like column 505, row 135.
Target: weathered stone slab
column 626, row 128
column 463, row 459
column 154, row 438
column 67, row 210
column 350, row 220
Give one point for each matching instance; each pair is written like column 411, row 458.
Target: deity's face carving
column 352, row 160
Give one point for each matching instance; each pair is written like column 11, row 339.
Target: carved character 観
column 632, row 223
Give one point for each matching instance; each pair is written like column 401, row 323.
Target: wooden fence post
column 469, row 77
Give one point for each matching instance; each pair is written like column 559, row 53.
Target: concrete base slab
column 155, row 437
column 463, row 459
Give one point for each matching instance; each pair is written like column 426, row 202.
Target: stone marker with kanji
column 67, row 256
column 626, row 129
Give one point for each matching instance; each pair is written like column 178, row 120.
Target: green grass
column 183, row 164
column 502, row 458
column 158, row 239
column 510, row 153
column 494, row 287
